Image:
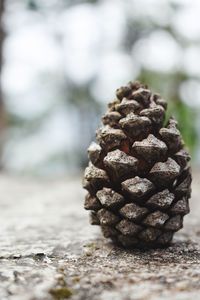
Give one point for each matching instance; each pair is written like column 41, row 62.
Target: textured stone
column 46, row 240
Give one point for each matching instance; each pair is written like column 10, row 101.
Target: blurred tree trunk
column 2, row 111
column 2, row 2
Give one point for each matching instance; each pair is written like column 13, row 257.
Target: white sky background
column 81, row 43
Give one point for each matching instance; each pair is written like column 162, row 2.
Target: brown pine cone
column 138, row 178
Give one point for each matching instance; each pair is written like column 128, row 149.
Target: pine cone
column 138, row 178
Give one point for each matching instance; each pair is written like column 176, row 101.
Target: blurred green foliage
column 168, row 86
column 186, row 118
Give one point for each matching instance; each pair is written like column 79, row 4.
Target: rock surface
column 49, row 250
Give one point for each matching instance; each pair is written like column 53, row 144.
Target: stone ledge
column 49, row 251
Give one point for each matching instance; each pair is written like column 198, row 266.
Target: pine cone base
column 138, row 179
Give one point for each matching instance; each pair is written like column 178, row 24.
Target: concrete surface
column 49, row 251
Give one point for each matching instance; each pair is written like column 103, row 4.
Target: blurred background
column 62, row 60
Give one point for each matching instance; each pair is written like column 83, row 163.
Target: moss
column 76, row 279
column 61, row 293
column 91, row 246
